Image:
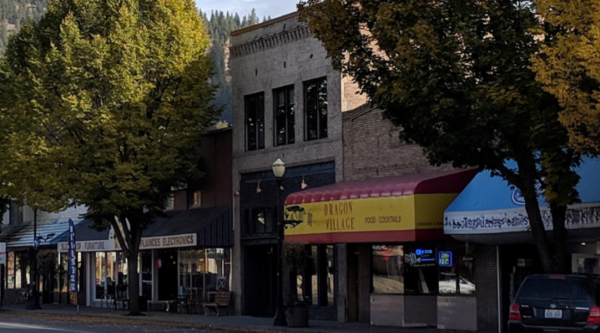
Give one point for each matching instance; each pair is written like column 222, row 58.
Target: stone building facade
column 266, row 59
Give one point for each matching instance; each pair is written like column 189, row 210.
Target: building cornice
column 270, row 41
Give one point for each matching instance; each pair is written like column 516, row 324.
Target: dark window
column 255, row 121
column 261, row 221
column 284, row 116
column 556, row 289
column 15, row 213
column 315, row 105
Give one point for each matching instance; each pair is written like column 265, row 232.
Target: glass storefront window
column 218, row 269
column 191, row 268
column 204, row 271
column 388, row 269
column 111, row 275
column 10, row 280
column 100, row 264
column 146, row 262
column 420, row 269
column 330, row 276
column 456, row 260
column 18, row 277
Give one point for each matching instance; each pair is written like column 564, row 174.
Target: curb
column 141, row 320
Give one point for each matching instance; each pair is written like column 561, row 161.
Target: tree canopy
column 113, row 96
column 456, row 76
column 569, row 67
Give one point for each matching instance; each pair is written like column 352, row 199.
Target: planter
column 297, row 316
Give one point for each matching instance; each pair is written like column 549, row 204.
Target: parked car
column 448, row 285
column 554, row 304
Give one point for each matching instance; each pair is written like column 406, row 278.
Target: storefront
column 184, row 255
column 19, row 241
column 490, row 213
column 398, row 268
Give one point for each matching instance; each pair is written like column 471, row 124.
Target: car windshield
column 556, row 289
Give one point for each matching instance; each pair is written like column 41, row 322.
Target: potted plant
column 294, row 261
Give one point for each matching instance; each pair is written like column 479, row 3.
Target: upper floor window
column 169, row 201
column 197, row 199
column 260, row 221
column 284, row 116
column 15, row 213
column 315, row 106
column 254, row 118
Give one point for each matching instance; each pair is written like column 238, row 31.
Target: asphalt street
column 31, row 324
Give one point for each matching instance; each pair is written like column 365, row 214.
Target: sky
column 264, row 8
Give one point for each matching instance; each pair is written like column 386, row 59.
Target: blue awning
column 489, row 205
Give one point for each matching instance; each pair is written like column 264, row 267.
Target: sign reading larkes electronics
column 160, row 242
column 359, row 215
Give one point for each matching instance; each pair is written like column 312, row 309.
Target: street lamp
column 278, row 172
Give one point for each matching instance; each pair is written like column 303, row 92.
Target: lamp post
column 35, row 304
column 278, row 172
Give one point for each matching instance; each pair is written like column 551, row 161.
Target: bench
column 222, row 299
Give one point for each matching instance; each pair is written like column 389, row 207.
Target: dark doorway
column 516, row 262
column 259, row 280
column 167, row 274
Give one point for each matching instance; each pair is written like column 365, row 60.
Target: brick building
column 353, row 193
column 287, row 103
column 185, row 255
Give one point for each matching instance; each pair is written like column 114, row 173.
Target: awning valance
column 490, row 206
column 202, row 227
column 391, row 209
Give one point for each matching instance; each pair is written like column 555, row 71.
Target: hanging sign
column 72, row 264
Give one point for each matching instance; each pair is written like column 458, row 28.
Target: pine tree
column 220, row 25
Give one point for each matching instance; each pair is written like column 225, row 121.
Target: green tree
column 116, row 95
column 455, row 75
column 569, row 67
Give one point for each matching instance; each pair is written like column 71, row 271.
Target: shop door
column 259, row 283
column 167, row 274
column 516, row 263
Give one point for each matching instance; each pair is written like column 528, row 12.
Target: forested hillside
column 220, row 25
column 13, row 13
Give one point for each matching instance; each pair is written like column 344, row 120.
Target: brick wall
column 372, row 148
column 487, row 288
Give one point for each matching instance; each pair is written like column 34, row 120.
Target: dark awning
column 202, row 227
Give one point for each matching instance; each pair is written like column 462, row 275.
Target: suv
column 555, row 303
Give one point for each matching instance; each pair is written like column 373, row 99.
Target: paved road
column 31, row 324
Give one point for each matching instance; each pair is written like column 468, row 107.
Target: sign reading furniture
column 147, row 243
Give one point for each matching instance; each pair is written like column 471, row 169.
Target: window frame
column 290, row 129
column 319, row 134
column 259, row 114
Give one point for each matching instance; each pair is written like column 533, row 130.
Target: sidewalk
column 229, row 323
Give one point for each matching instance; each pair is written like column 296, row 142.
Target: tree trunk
column 133, row 281
column 560, row 238
column 540, row 237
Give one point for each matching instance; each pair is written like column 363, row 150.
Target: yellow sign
column 400, row 213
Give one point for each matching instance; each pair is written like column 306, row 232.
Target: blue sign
column 72, row 269
column 518, row 199
column 445, row 259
